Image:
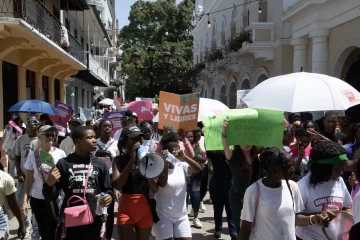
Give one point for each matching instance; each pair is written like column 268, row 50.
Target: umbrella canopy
column 107, row 101
column 210, row 107
column 33, row 106
column 300, row 92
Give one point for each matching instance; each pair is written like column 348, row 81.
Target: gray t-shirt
column 22, row 147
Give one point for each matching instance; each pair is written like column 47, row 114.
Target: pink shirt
column 295, row 151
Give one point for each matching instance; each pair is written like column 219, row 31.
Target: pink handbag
column 78, row 215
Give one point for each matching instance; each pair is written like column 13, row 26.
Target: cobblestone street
column 205, row 233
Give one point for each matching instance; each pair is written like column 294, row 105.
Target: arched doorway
column 222, row 96
column 205, row 94
column 261, row 78
column 232, row 95
column 351, row 74
column 213, row 93
column 245, row 84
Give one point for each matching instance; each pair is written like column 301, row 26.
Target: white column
column 320, row 51
column 300, row 54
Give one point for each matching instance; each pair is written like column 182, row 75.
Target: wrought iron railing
column 40, row 18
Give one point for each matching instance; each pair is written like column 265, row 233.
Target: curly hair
column 322, row 150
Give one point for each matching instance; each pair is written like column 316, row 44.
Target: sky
column 123, row 10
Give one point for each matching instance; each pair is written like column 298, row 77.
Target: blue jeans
column 194, row 190
column 219, row 193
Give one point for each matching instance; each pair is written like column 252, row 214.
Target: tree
column 148, row 24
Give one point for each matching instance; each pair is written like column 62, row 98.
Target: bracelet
column 223, row 136
column 310, row 222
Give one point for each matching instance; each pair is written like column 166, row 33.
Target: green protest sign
column 212, row 133
column 47, row 159
column 265, row 130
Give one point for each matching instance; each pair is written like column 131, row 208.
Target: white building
column 320, row 36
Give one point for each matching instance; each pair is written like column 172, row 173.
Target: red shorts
column 134, row 209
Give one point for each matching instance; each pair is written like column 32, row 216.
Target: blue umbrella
column 33, row 106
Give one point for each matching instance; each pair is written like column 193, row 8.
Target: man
column 9, row 206
column 22, row 147
column 330, row 123
column 67, row 145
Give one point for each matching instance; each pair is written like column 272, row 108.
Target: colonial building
column 250, row 41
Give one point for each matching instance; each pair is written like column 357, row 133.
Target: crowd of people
column 268, row 193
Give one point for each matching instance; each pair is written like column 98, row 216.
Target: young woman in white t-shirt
column 36, row 175
column 273, row 205
column 324, row 189
column 171, row 199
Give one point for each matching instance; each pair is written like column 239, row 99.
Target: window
column 82, row 41
column 57, row 89
column 45, row 88
column 76, row 100
column 30, row 84
column 75, row 33
column 67, row 24
column 56, row 13
column 89, row 100
column 83, row 98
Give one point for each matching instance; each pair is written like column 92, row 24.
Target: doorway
column 10, row 82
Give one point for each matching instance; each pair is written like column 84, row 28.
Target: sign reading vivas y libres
column 178, row 111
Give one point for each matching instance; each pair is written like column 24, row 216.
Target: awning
column 91, row 78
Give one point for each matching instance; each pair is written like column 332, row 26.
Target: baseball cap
column 76, row 119
column 132, row 132
column 45, row 128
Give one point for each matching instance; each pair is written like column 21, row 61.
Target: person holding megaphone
column 135, row 217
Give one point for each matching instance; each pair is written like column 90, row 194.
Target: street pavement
column 205, row 233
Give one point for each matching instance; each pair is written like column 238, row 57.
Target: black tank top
column 136, row 183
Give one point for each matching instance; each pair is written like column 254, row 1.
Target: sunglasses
column 49, row 135
column 32, row 122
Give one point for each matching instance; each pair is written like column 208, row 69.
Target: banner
column 14, row 125
column 117, row 103
column 143, row 109
column 115, row 118
column 240, row 95
column 178, row 111
column 62, row 118
column 247, row 126
column 85, row 114
column 143, row 99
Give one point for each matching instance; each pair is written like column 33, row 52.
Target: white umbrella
column 300, row 92
column 107, row 101
column 210, row 107
column 207, row 107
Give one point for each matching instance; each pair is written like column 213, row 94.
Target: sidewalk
column 205, row 233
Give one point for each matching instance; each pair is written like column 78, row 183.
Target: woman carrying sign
column 37, row 167
column 240, row 161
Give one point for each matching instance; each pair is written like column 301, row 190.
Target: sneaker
column 191, row 213
column 218, row 234
column 202, row 207
column 197, row 223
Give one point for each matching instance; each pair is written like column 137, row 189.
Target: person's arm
column 106, row 187
column 20, row 174
column 121, row 175
column 188, row 149
column 163, row 178
column 29, row 179
column 228, row 151
column 245, row 232
column 53, row 185
column 15, row 208
column 153, row 185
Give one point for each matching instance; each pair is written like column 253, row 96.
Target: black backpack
column 103, row 152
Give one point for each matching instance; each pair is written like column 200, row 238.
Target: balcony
column 42, row 21
column 95, row 68
column 262, row 32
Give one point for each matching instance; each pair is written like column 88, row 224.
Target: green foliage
column 149, row 21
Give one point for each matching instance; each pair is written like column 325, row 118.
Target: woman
column 323, row 189
column 287, row 139
column 272, row 205
column 147, row 141
column 71, row 174
column 310, row 124
column 196, row 179
column 171, row 199
column 106, row 144
column 300, row 153
column 36, row 174
column 135, row 218
column 240, row 161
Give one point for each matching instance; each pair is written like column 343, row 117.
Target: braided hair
column 275, row 157
column 322, row 150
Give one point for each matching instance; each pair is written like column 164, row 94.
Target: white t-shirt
column 356, row 208
column 275, row 216
column 110, row 146
column 171, row 199
column 149, row 145
column 23, row 146
column 30, row 164
column 67, row 145
column 329, row 195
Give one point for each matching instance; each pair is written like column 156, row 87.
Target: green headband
column 331, row 161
